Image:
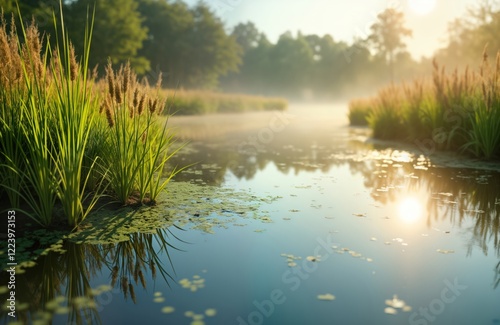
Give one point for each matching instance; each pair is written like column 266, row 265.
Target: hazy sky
column 344, row 19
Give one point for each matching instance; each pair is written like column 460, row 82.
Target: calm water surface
column 393, row 237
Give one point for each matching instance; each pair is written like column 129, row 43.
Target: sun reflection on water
column 410, row 209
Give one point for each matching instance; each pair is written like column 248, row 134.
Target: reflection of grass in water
column 497, row 276
column 130, row 243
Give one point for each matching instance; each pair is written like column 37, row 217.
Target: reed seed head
column 110, row 76
column 126, row 78
column 135, row 99
column 124, row 285
column 109, row 117
column 73, row 66
column 132, row 292
column 140, row 107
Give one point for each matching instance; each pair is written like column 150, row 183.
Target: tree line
column 194, row 49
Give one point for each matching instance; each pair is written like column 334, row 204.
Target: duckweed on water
column 445, row 251
column 194, row 285
column 210, row 312
column 326, row 297
column 167, row 309
column 394, row 304
column 184, row 205
column 291, row 259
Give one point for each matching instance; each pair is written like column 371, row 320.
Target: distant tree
column 190, row 45
column 387, row 36
column 292, row 60
column 212, row 53
column 118, row 31
column 469, row 35
column 41, row 12
column 167, row 44
column 246, row 35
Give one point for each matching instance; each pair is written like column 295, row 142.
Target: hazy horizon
column 428, row 19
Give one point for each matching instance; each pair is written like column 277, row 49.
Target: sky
column 345, row 19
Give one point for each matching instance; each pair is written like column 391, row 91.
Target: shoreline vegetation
column 457, row 111
column 193, row 102
column 69, row 141
column 65, row 142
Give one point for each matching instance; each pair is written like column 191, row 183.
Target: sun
column 422, row 7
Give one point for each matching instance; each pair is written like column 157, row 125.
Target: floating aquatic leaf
column 210, row 312
column 326, row 297
column 159, row 300
column 407, row 308
column 197, row 322
column 158, row 293
column 167, row 309
column 198, row 316
column 390, row 311
column 445, row 251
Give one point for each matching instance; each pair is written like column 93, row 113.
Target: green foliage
column 189, row 43
column 118, row 31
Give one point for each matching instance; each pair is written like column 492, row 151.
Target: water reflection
column 402, row 178
column 410, row 209
column 58, row 288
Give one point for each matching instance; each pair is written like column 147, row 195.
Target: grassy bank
column 66, row 142
column 190, row 102
column 457, row 111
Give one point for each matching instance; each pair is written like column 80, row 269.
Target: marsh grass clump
column 359, row 109
column 137, row 146
column 454, row 111
column 64, row 140
column 385, row 118
column 190, row 102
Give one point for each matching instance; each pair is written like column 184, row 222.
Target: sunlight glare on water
column 410, row 210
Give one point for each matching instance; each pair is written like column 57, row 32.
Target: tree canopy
column 387, row 35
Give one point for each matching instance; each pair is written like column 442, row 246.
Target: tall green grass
column 455, row 111
column 64, row 142
column 137, row 148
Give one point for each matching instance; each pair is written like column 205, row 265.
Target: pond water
column 300, row 220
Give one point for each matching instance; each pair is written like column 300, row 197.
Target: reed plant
column 386, row 119
column 458, row 111
column 58, row 152
column 27, row 123
column 359, row 109
column 138, row 144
